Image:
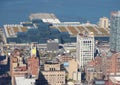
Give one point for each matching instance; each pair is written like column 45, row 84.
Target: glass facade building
column 115, row 32
column 40, row 34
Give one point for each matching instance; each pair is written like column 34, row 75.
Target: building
column 104, row 22
column 65, row 58
column 33, row 66
column 17, row 67
column 114, row 70
column 94, row 70
column 72, row 69
column 24, row 81
column 111, row 69
column 73, row 28
column 115, row 32
column 52, row 75
column 23, row 69
column 114, row 80
column 40, row 32
column 106, row 64
column 33, row 62
column 33, row 50
column 115, row 64
column 52, row 45
column 85, row 48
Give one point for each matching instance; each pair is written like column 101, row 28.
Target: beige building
column 72, row 69
column 104, row 22
column 52, row 75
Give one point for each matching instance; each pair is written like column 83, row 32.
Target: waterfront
column 15, row 11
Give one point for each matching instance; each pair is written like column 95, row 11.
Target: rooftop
column 116, row 13
column 75, row 29
column 24, row 81
column 115, row 79
column 12, row 30
column 45, row 17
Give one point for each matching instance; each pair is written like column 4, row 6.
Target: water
column 15, row 11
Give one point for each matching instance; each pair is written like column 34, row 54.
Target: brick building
column 17, row 68
column 94, row 69
column 33, row 66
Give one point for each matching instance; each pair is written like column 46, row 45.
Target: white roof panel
column 24, row 81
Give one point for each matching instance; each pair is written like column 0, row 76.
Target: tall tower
column 115, row 32
column 33, row 62
column 85, row 48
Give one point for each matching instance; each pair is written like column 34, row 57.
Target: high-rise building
column 33, row 62
column 104, row 22
column 115, row 32
column 85, row 48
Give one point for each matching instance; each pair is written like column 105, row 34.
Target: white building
column 85, row 48
column 24, row 81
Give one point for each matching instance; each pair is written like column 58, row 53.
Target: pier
column 45, row 17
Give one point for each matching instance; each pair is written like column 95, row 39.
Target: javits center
column 44, row 26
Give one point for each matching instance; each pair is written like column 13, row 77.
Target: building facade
column 73, row 70
column 115, row 64
column 52, row 45
column 52, row 75
column 114, row 70
column 17, row 67
column 104, row 22
column 85, row 48
column 33, row 66
column 115, row 32
column 93, row 69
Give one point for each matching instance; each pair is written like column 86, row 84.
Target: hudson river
column 15, row 11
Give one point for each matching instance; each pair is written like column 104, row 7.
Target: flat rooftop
column 24, row 81
column 12, row 30
column 115, row 79
column 75, row 29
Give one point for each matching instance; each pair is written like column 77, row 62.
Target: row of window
column 55, row 75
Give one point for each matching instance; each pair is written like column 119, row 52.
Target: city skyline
column 71, row 42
